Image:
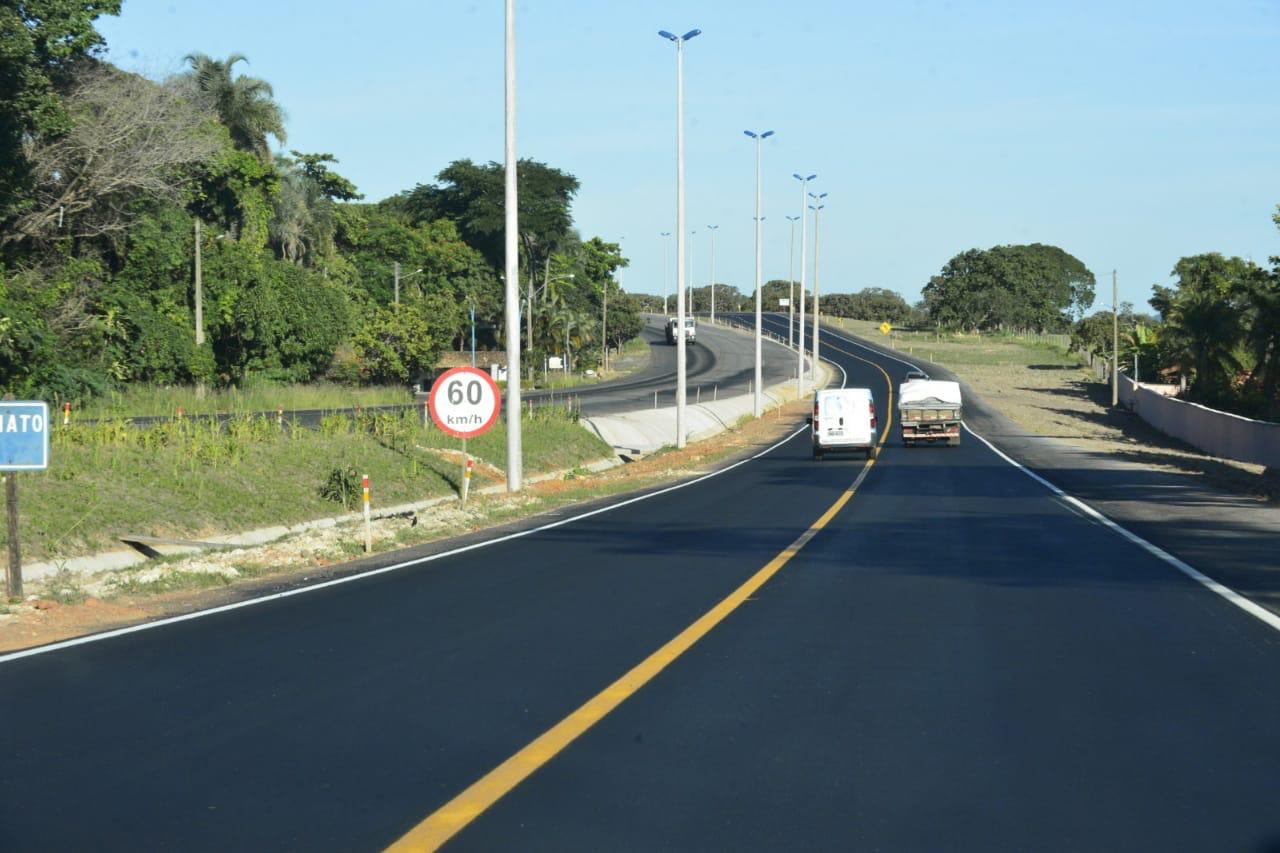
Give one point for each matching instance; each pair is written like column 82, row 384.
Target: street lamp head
column 766, row 134
column 802, row 179
column 667, row 35
column 749, row 133
column 690, row 35
column 793, row 218
column 817, row 197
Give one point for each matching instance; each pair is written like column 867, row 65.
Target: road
column 948, row 656
column 719, row 364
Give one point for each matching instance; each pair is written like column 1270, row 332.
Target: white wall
column 1217, row 433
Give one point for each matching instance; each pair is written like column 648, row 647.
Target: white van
column 844, row 419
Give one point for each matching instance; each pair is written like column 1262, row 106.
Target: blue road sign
column 24, row 435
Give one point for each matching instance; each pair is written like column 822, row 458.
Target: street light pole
column 791, row 282
column 680, row 337
column 757, row 399
column 804, row 221
column 395, row 274
column 816, row 207
column 666, row 266
column 713, row 229
column 515, row 459
column 691, row 286
column 1115, row 344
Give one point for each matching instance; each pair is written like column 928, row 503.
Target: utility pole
column 804, row 243
column 199, row 293
column 395, row 271
column 1115, row 344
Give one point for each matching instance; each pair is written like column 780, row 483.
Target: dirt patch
column 1068, row 403
column 67, row 606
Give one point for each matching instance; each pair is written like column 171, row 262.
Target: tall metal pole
column 666, row 267
column 692, row 287
column 395, row 272
column 804, row 243
column 1115, row 343
column 791, row 282
column 757, row 396
column 713, row 229
column 680, row 313
column 199, row 293
column 515, row 458
column 817, row 234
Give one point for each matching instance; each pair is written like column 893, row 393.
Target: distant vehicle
column 929, row 411
column 690, row 329
column 915, row 374
column 844, row 420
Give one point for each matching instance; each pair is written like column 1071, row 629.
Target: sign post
column 465, row 403
column 24, row 446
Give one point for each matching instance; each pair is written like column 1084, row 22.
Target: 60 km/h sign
column 465, row 402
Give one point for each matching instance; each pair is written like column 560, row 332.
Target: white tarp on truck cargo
column 929, row 393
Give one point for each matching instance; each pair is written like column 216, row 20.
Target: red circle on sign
column 437, row 388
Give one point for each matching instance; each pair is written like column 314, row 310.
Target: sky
column 1130, row 134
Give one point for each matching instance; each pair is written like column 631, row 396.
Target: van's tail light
column 872, row 406
column 815, row 415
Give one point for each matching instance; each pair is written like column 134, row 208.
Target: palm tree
column 1206, row 328
column 243, row 104
column 1263, row 338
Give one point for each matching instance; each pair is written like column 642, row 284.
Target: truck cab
column 690, row 329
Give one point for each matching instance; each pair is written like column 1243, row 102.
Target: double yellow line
column 447, row 821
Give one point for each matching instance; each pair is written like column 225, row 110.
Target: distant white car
column 844, row 420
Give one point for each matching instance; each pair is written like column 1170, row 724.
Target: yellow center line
column 447, row 821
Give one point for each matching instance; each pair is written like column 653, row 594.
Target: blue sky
column 1129, row 134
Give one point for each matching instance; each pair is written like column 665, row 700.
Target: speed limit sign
column 464, row 402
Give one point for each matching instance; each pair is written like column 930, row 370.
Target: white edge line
column 1248, row 606
column 171, row 620
column 1209, row 583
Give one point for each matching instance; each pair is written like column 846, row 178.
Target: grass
column 141, row 401
column 191, row 480
column 958, row 349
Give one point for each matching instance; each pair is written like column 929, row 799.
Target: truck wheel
column 954, row 441
column 817, row 456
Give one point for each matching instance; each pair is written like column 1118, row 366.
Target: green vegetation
column 1218, row 328
column 126, row 200
column 965, row 349
column 144, row 400
column 192, row 479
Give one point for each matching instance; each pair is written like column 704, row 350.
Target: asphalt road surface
column 720, row 364
column 952, row 657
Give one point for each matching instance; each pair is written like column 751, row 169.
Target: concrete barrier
column 637, row 433
column 1219, row 434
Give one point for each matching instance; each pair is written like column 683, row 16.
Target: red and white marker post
column 465, row 402
column 368, row 518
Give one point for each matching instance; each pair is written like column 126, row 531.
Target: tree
column 1017, row 287
column 1205, row 321
column 41, row 43
column 129, row 138
column 473, row 197
column 303, row 220
column 244, row 105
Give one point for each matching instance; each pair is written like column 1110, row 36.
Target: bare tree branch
column 131, row 138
